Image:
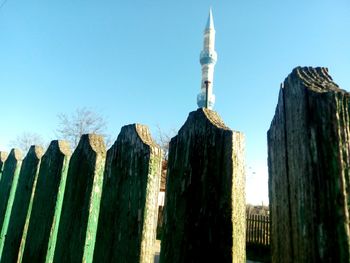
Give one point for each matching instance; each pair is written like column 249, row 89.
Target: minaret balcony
column 208, row 57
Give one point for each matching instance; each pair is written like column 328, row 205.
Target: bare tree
column 24, row 140
column 71, row 127
column 164, row 139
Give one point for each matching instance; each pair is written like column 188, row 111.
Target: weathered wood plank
column 3, row 157
column 81, row 203
column 17, row 207
column 41, row 235
column 309, row 171
column 205, row 200
column 11, row 170
column 129, row 204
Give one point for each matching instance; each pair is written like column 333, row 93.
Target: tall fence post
column 309, row 170
column 41, row 236
column 10, row 174
column 3, row 157
column 205, row 200
column 18, row 205
column 81, row 203
column 129, row 204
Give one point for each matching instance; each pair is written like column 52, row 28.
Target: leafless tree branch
column 72, row 126
column 24, row 140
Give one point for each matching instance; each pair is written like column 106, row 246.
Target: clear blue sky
column 138, row 61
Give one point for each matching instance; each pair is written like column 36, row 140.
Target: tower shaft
column 208, row 58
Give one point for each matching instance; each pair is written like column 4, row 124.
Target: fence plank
column 81, row 203
column 47, row 204
column 309, row 160
column 10, row 174
column 205, row 158
column 3, row 157
column 16, row 213
column 129, row 203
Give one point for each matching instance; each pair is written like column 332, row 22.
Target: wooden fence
column 89, row 206
column 258, row 237
column 258, row 229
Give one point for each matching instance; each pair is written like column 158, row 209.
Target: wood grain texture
column 308, row 147
column 129, row 204
column 205, row 201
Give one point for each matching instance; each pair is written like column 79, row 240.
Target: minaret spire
column 208, row 58
column 210, row 21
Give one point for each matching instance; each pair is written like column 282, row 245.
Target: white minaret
column 208, row 59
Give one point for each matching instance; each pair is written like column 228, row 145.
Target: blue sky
column 138, row 61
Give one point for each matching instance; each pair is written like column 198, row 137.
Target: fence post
column 129, row 204
column 41, row 235
column 261, row 229
column 205, row 204
column 255, row 228
column 248, row 227
column 18, row 205
column 81, row 202
column 3, row 157
column 309, row 161
column 11, row 170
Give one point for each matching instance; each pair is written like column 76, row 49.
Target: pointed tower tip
column 210, row 22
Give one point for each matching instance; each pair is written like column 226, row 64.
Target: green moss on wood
column 3, row 157
column 18, row 205
column 204, row 217
column 127, row 223
column 11, row 170
column 39, row 243
column 78, row 222
column 309, row 155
